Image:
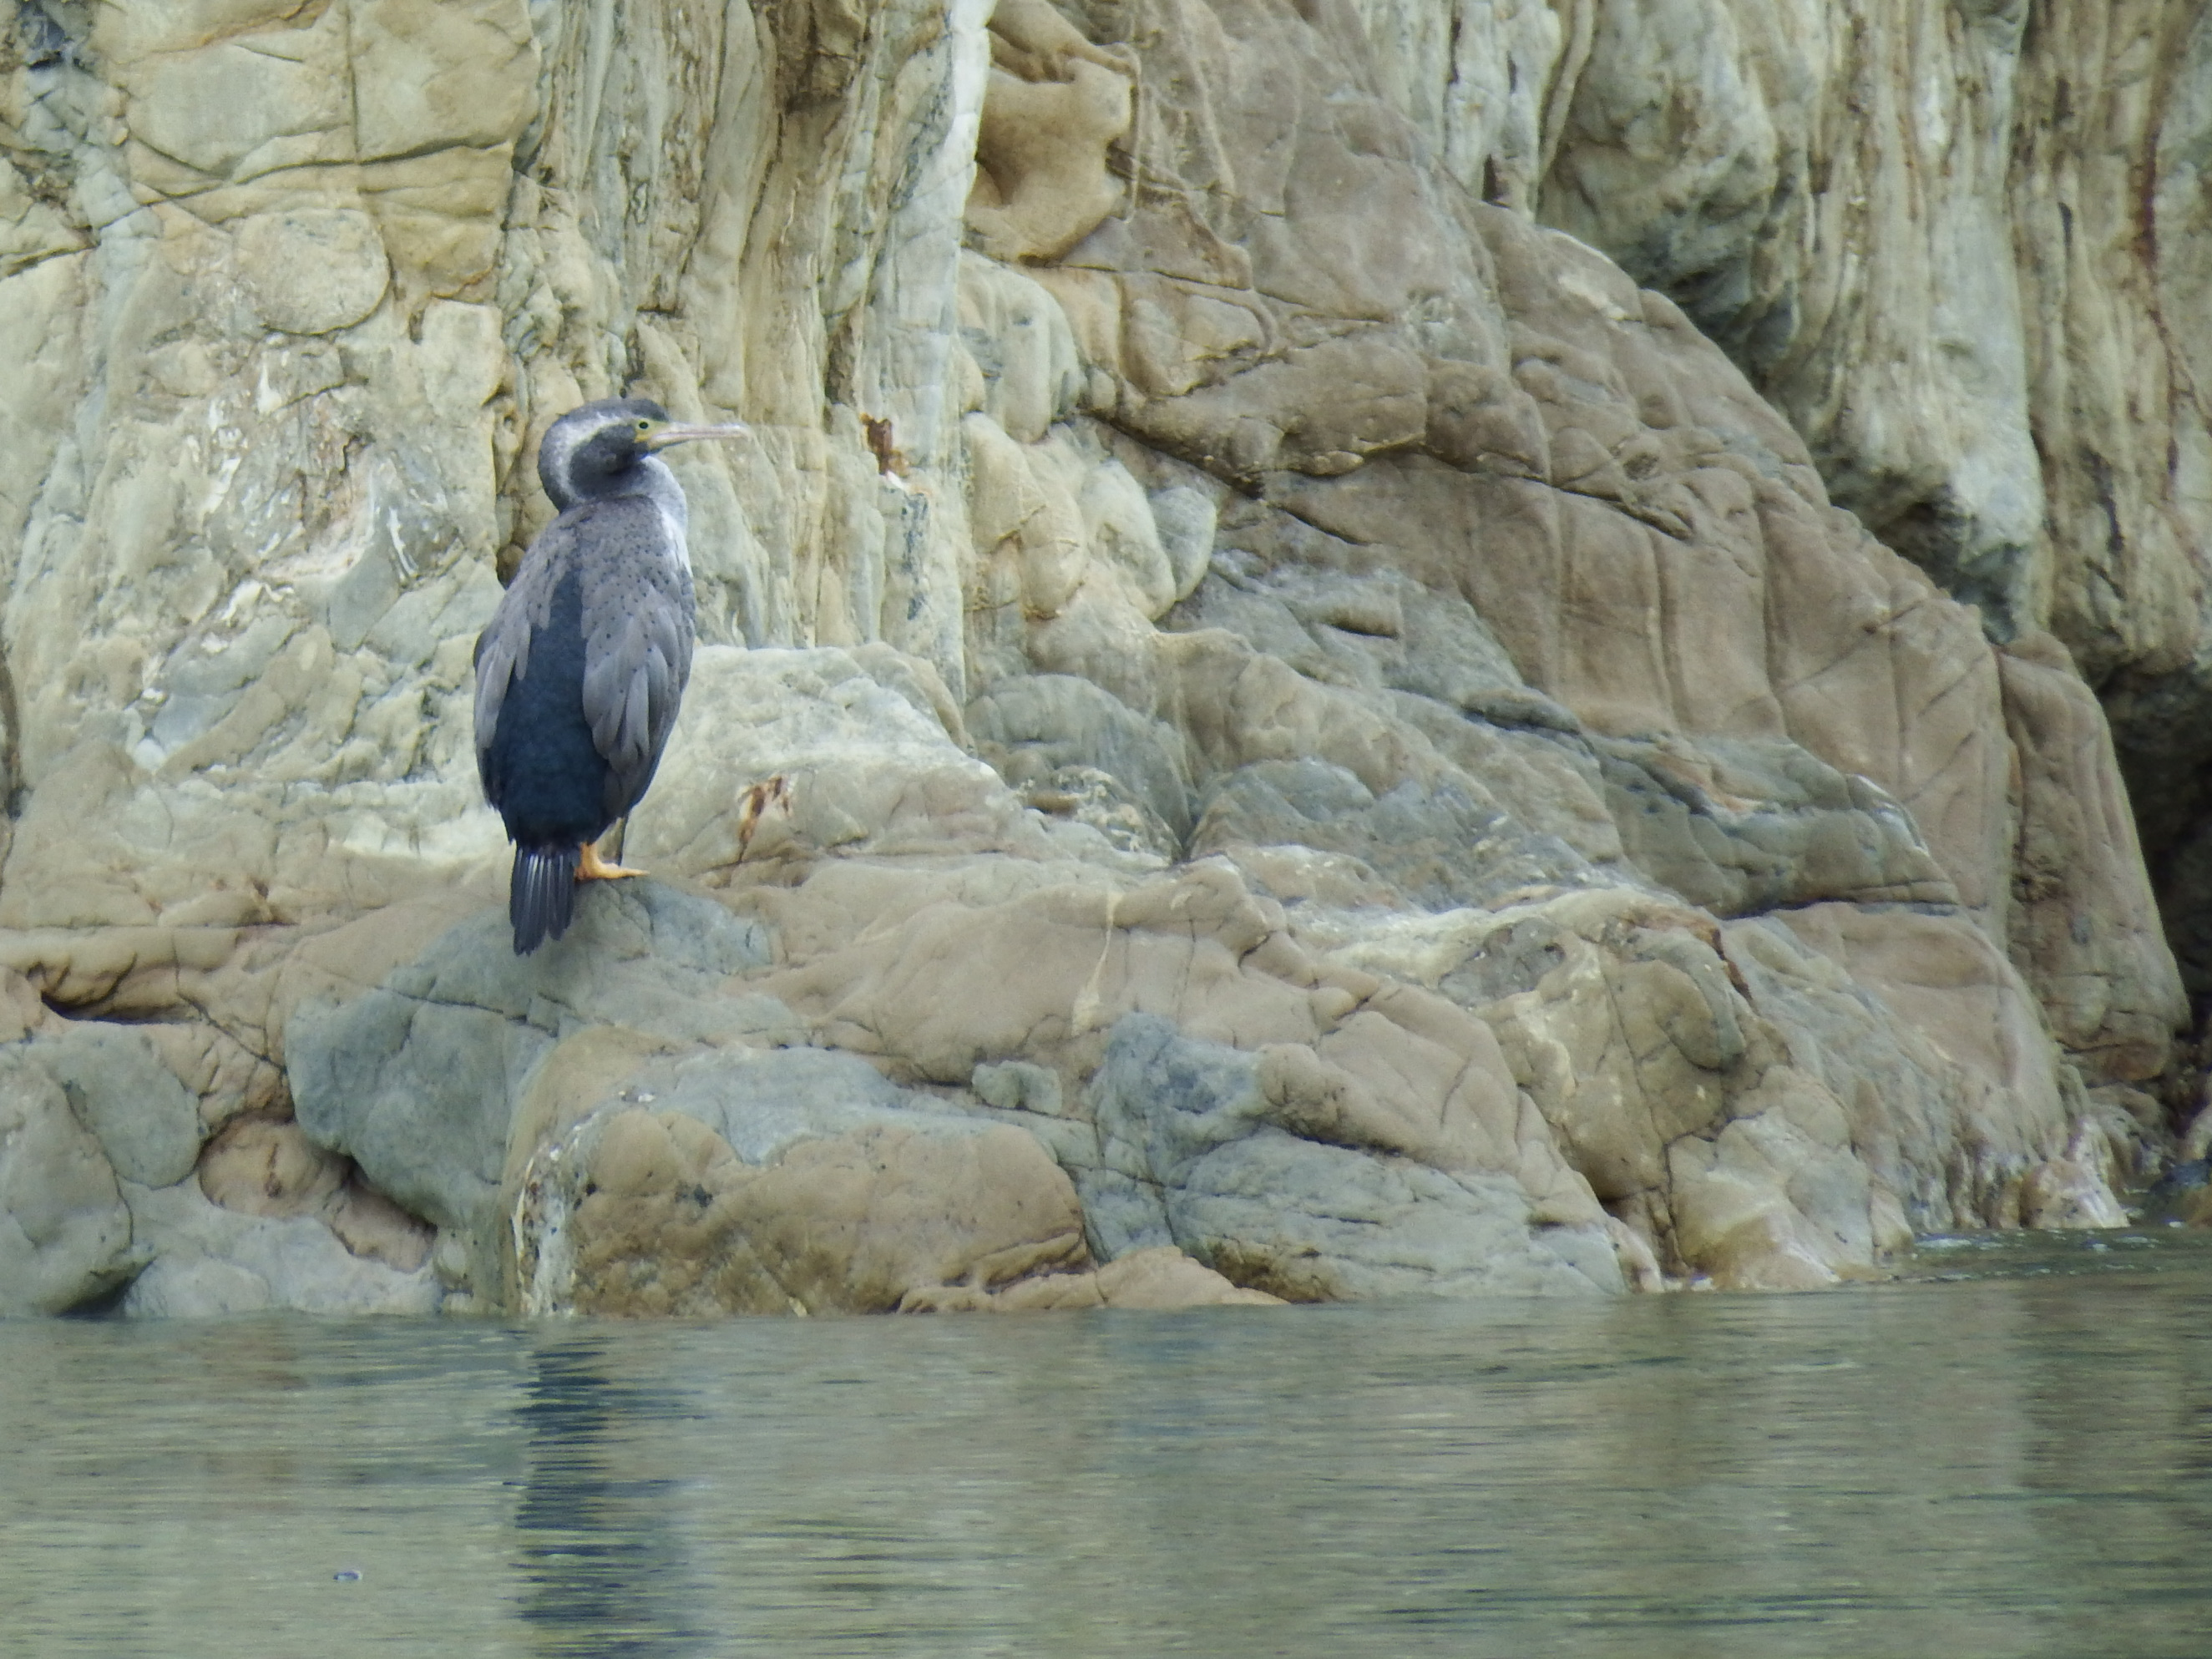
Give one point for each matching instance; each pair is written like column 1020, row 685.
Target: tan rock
column 1042, row 182
column 1972, row 223
column 261, row 1167
column 264, row 1166
column 862, row 743
column 313, row 270
column 1756, row 1115
column 2068, row 1194
column 1715, row 206
column 1159, row 1277
column 2086, row 931
column 667, row 1220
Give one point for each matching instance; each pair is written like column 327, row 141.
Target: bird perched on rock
column 580, row 671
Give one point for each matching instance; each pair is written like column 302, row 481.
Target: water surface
column 2010, row 1453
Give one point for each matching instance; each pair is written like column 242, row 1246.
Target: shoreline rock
column 1291, row 618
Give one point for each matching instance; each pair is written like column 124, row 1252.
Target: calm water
column 2012, row 1456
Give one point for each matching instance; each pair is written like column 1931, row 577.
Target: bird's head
column 593, row 450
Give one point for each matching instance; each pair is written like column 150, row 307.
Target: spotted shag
column 581, row 670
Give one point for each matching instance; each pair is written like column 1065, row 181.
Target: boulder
column 147, row 1123
column 64, row 1232
column 1194, row 1151
column 417, row 1080
column 209, row 1260
column 652, row 1212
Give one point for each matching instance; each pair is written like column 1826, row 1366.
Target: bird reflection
column 604, row 1563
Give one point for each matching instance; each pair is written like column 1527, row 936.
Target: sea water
column 2007, row 1451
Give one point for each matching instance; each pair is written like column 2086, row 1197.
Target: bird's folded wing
column 503, row 648
column 637, row 656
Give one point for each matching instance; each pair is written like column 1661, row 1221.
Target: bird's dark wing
column 638, row 630
column 503, row 655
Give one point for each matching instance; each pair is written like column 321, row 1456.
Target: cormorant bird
column 581, row 667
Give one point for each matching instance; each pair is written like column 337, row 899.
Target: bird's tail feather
column 541, row 895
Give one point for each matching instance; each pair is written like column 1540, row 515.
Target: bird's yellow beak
column 666, row 434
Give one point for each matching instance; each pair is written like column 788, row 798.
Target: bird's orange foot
column 594, row 868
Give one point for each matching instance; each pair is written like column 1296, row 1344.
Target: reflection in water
column 603, row 1566
column 2016, row 1464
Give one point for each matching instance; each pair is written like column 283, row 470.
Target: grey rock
column 1121, row 1214
column 1442, row 847
column 1779, row 827
column 1016, row 1085
column 1032, row 724
column 1915, row 1110
column 1188, row 1156
column 1718, row 1042
column 1310, row 1222
column 1084, row 796
column 146, row 1122
column 417, row 1079
column 1529, row 755
column 313, row 270
column 418, row 1091
column 211, row 1260
column 1186, row 519
column 1326, row 623
column 1290, row 591
column 204, row 686
column 764, row 1103
column 65, row 1233
column 1513, row 959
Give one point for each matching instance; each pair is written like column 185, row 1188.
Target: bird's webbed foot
column 592, row 867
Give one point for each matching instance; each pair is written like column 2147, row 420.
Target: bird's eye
column 644, row 426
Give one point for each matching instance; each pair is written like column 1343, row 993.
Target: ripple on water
column 2008, row 1450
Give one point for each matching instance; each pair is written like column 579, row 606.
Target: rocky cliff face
column 1418, row 646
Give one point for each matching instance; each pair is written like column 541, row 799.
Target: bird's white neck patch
column 668, row 496
column 553, row 462
column 678, row 543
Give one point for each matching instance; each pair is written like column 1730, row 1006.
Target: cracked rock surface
column 1398, row 647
